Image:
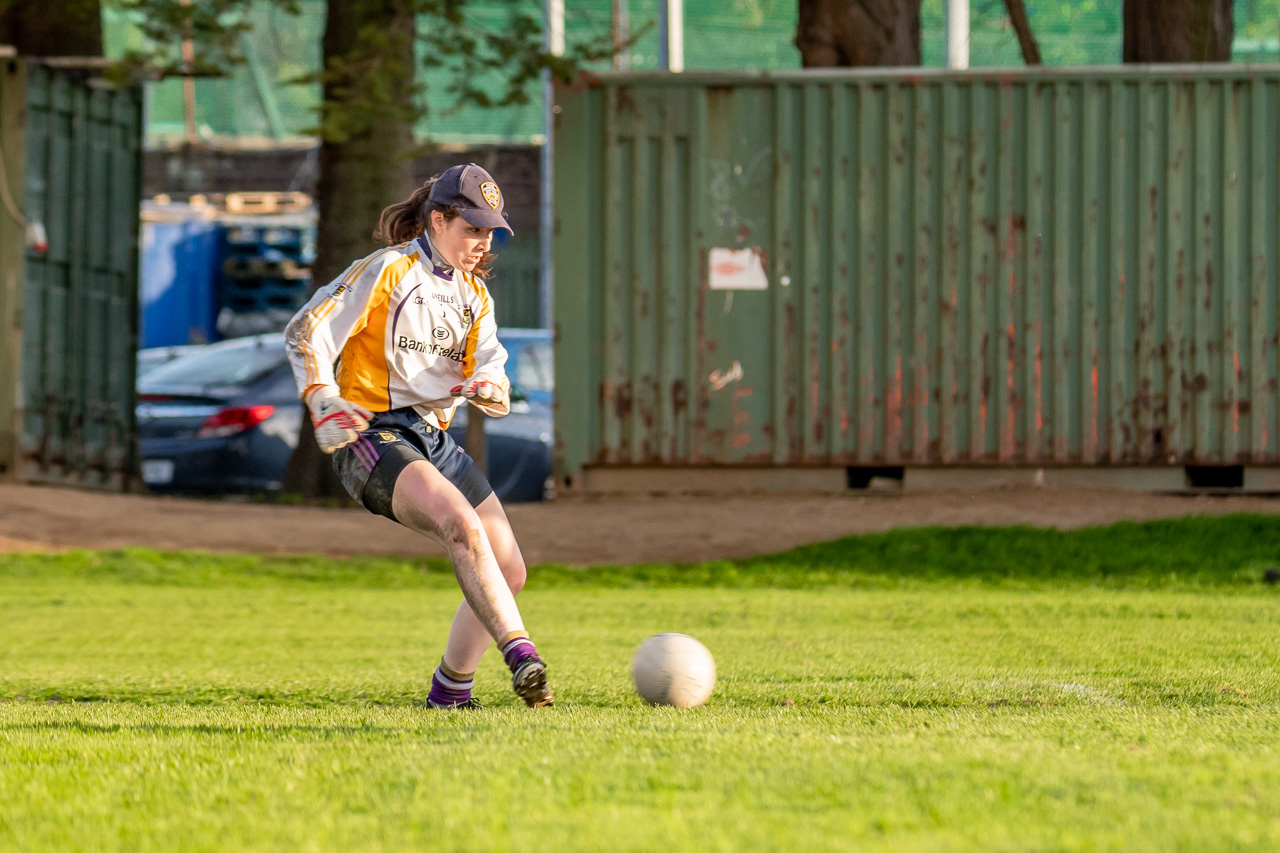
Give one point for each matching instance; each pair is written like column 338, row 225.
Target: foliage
column 719, row 34
column 1257, row 19
column 212, row 27
column 1079, row 32
column 491, row 61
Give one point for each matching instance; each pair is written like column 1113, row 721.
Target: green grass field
column 918, row 690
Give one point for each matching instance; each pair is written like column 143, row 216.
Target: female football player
column 413, row 331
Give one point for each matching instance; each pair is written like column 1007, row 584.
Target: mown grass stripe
column 1223, row 552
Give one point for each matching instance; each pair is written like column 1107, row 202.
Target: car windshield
column 150, row 359
column 228, row 364
column 534, row 370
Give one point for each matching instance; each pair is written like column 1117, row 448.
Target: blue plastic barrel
column 178, row 282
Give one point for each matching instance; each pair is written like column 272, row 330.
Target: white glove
column 338, row 422
column 482, row 391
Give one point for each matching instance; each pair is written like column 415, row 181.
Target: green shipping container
column 71, row 149
column 515, row 283
column 1041, row 267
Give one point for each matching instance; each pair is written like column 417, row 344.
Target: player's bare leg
column 426, row 502
column 468, row 638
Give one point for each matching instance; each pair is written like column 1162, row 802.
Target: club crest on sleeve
column 490, row 192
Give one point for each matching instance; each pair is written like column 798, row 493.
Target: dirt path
column 569, row 530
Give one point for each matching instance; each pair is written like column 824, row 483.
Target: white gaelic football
column 673, row 669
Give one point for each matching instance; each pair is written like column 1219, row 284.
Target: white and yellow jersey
column 405, row 331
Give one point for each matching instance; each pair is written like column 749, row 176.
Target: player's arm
column 484, row 364
column 314, row 338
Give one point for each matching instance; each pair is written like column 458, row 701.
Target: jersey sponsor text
column 428, row 348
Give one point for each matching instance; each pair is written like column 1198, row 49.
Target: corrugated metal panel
column 1040, row 267
column 79, row 298
column 515, row 283
column 12, row 106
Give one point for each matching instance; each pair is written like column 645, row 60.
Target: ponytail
column 408, row 219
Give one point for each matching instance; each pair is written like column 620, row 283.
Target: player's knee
column 516, row 574
column 462, row 532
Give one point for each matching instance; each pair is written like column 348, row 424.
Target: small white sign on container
column 737, row 269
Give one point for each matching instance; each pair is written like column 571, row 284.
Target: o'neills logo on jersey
column 428, row 348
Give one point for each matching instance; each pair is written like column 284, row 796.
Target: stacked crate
column 265, row 273
column 267, row 248
column 217, row 267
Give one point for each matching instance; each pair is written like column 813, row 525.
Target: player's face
column 461, row 243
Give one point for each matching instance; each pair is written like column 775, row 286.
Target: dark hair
column 406, row 220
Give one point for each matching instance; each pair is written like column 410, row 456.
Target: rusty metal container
column 1042, row 267
column 71, row 148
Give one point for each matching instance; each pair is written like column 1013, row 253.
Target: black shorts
column 369, row 466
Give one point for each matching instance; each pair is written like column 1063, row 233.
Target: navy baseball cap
column 474, row 194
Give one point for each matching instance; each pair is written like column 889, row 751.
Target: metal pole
column 553, row 42
column 956, row 13
column 675, row 35
column 621, row 35
column 188, row 82
column 555, row 32
column 664, row 55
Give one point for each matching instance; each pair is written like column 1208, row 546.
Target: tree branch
column 1026, row 39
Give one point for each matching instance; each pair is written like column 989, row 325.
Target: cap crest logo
column 490, row 192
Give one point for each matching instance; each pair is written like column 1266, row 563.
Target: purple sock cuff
column 517, row 650
column 446, row 691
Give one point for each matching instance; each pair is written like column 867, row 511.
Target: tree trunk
column 34, row 29
column 477, row 442
column 366, row 134
column 367, row 126
column 1177, row 30
column 840, row 33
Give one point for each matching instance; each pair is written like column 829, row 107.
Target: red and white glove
column 338, row 422
column 482, row 391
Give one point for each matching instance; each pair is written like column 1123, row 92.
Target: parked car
column 152, row 357
column 519, row 445
column 221, row 417
column 529, row 364
column 225, row 418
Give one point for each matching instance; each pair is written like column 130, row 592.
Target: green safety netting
column 256, row 100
